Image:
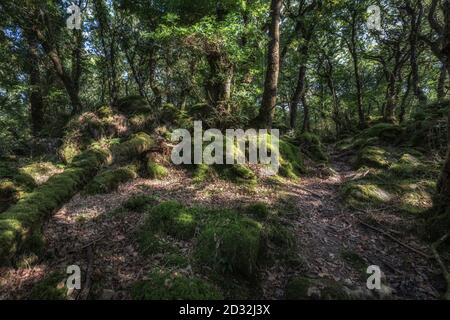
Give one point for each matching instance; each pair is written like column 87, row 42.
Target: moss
column 150, row 243
column 51, row 287
column 9, row 194
column 110, row 180
column 361, row 194
column 291, row 162
column 279, row 235
column 173, row 219
column 259, row 210
column 156, row 170
column 176, row 260
column 372, row 156
column 40, row 172
column 230, row 243
column 409, row 166
column 240, row 174
column 201, row 173
column 173, row 286
column 139, row 203
column 384, row 131
column 21, row 221
column 136, row 145
column 311, row 145
column 302, row 288
column 133, row 105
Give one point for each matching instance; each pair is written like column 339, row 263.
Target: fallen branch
column 394, row 238
column 434, row 248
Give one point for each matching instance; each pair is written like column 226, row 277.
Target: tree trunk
column 354, row 54
column 441, row 83
column 218, row 86
column 391, row 100
column 416, row 18
column 267, row 109
column 35, row 94
column 298, row 95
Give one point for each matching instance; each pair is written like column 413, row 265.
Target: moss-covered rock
column 52, row 287
column 131, row 105
column 311, row 145
column 202, row 172
column 230, row 243
column 384, row 131
column 156, row 170
column 303, row 288
column 174, row 286
column 374, row 157
column 109, row 180
column 364, row 193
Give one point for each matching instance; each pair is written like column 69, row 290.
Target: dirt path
column 330, row 235
column 324, row 230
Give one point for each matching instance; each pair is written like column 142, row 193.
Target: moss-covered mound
column 133, row 105
column 384, row 131
column 259, row 210
column 375, row 157
column 171, row 218
column 109, row 180
column 303, row 288
column 230, row 243
column 139, row 203
column 173, row 286
column 156, row 170
column 9, row 194
column 311, row 145
column 20, row 223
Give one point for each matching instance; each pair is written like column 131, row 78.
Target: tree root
column 445, row 272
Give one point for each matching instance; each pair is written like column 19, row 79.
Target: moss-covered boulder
column 230, row 243
column 303, row 288
column 409, row 166
column 174, row 286
column 109, row 180
column 240, row 174
column 374, row 157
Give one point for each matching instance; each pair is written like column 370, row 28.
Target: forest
column 351, row 97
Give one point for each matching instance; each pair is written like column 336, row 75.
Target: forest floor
column 332, row 242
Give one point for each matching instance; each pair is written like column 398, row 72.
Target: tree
column 265, row 116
